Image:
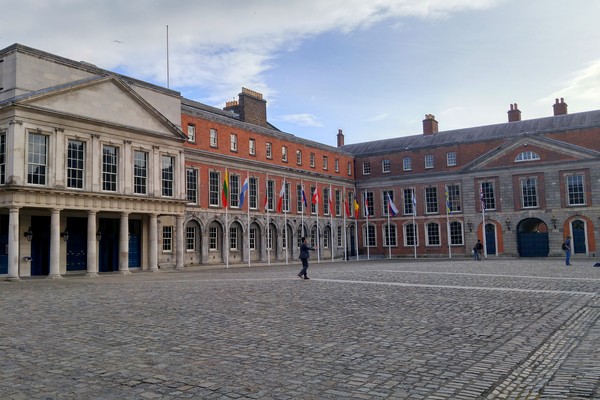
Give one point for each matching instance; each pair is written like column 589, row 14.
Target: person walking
column 477, row 250
column 567, row 249
column 304, row 256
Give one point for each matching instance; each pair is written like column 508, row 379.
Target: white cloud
column 583, row 87
column 300, row 119
column 380, row 117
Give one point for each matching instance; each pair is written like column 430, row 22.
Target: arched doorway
column 532, row 238
column 578, row 232
column 490, row 238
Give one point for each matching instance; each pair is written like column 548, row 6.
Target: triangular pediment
column 548, row 151
column 105, row 99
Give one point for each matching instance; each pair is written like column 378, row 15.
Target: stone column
column 92, row 245
column 179, row 242
column 153, row 245
column 124, row 244
column 55, row 244
column 204, row 247
column 13, row 244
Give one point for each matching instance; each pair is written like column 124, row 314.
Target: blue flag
column 392, row 206
column 304, row 198
column 243, row 192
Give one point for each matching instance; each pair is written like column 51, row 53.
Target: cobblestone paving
column 387, row 329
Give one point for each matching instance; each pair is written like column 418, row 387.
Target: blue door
column 3, row 244
column 578, row 229
column 77, row 244
column 490, row 239
column 135, row 258
column 532, row 238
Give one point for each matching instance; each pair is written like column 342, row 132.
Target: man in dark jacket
column 304, row 255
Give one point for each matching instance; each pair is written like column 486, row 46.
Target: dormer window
column 527, row 156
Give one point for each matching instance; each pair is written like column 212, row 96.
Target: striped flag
column 225, row 192
column 366, row 204
column 448, row 210
column 356, row 208
column 243, row 192
column 281, row 195
column 391, row 206
column 482, row 199
column 304, row 198
column 315, row 196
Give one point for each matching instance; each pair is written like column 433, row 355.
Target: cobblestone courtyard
column 399, row 329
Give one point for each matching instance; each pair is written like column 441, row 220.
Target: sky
column 373, row 68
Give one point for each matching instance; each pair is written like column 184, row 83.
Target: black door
column 77, row 244
column 3, row 244
column 108, row 259
column 40, row 245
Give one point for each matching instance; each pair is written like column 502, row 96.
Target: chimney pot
column 560, row 108
column 340, row 138
column 430, row 125
column 514, row 114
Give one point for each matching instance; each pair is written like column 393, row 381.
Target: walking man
column 304, row 256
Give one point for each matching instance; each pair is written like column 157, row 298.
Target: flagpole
column 225, row 198
column 317, row 208
column 389, row 233
column 248, row 236
column 483, row 229
column 287, row 244
column 345, row 235
column 366, row 202
column 448, row 225
column 414, row 201
column 268, row 223
column 355, row 206
column 331, row 219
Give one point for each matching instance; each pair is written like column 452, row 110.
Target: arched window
column 527, row 156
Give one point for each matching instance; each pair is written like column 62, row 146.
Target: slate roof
column 507, row 130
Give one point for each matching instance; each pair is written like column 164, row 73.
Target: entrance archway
column 532, row 238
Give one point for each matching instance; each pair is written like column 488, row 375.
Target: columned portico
column 92, row 245
column 153, row 245
column 55, row 244
column 124, row 244
column 13, row 244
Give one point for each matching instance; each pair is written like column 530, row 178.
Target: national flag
column 281, row 195
column 330, row 201
column 391, row 206
column 347, row 207
column 448, row 211
column 356, row 208
column 243, row 192
column 315, row 196
column 266, row 202
column 414, row 202
column 482, row 199
column 304, row 198
column 225, row 192
column 366, row 203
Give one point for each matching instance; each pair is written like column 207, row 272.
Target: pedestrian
column 477, row 250
column 567, row 249
column 304, row 256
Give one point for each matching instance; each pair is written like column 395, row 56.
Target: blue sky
column 371, row 68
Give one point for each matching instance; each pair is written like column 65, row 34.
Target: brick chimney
column 514, row 114
column 430, row 125
column 560, row 108
column 340, row 138
column 251, row 107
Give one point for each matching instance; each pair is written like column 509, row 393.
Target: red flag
column 347, row 207
column 315, row 196
column 281, row 194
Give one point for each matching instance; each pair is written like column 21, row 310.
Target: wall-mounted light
column 65, row 235
column 470, row 225
column 508, row 223
column 28, row 234
column 554, row 220
column 99, row 235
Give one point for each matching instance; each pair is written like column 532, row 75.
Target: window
column 2, row 159
column 214, row 142
column 366, row 168
column 214, row 179
column 75, row 164
column 340, row 236
column 370, row 207
column 527, row 156
column 167, row 238
column 190, row 238
column 313, row 236
column 213, row 238
column 234, row 142
column 386, row 166
column 168, row 164
column 299, row 199
column 252, row 239
column 253, row 192
column 349, row 168
column 140, row 172
column 451, row 158
column 192, row 185
column 191, row 131
column 325, row 163
column 234, row 191
column 410, row 201
column 407, row 164
column 269, row 151
column 429, row 161
column 233, row 238
column 338, row 203
column 110, row 164
column 252, row 147
column 489, row 199
column 326, row 205
column 575, row 190
column 384, row 202
column 286, row 198
column 529, row 192
column 369, row 236
column 299, row 157
column 37, row 157
column 326, row 238
column 270, row 195
column 336, row 165
column 270, row 235
column 284, row 153
column 456, row 233
column 453, row 198
column 313, row 206
column 431, row 200
column 389, row 235
column 433, row 234
column 301, row 232
column 312, row 160
column 410, row 235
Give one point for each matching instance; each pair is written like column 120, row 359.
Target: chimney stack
column 340, row 138
column 430, row 125
column 514, row 114
column 560, row 108
column 251, row 107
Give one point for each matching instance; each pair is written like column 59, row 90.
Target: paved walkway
column 400, row 329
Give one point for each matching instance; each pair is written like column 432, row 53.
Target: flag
column 414, row 202
column 366, row 200
column 304, row 198
column 448, row 211
column 281, row 195
column 347, row 207
column 356, row 208
column 243, row 192
column 392, row 206
column 225, row 192
column 481, row 198
column 330, row 201
column 315, row 196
